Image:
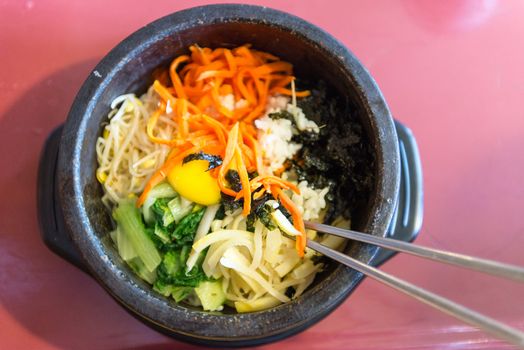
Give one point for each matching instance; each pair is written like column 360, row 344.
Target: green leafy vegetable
column 124, row 246
column 171, row 273
column 179, row 208
column 171, row 264
column 180, row 293
column 140, row 269
column 162, row 233
column 162, row 190
column 176, row 292
column 163, row 212
column 130, row 223
column 185, row 230
column 211, row 295
column 163, row 288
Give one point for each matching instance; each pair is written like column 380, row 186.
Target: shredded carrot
column 298, row 223
column 273, row 180
column 230, row 60
column 288, row 92
column 218, row 128
column 244, row 180
column 228, row 157
column 164, row 93
column 196, row 90
column 251, row 142
column 175, row 79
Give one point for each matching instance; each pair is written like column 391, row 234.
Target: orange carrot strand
column 175, row 79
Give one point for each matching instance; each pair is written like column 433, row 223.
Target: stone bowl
column 127, row 68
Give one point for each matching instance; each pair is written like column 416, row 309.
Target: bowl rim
column 155, row 308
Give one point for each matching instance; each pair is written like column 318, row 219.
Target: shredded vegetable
column 202, row 176
column 206, row 124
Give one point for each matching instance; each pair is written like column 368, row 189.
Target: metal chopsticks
column 461, row 312
column 483, row 265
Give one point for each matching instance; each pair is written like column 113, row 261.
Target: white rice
column 303, row 124
column 310, row 201
column 275, row 137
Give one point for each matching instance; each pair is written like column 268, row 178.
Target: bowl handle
column 50, row 218
column 407, row 217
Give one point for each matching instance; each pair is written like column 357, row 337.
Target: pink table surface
column 453, row 71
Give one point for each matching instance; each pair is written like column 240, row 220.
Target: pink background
column 453, row 71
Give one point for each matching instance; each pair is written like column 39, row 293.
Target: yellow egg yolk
column 192, row 181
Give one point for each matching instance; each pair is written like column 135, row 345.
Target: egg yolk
column 192, row 181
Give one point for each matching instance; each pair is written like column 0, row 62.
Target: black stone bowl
column 128, row 67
